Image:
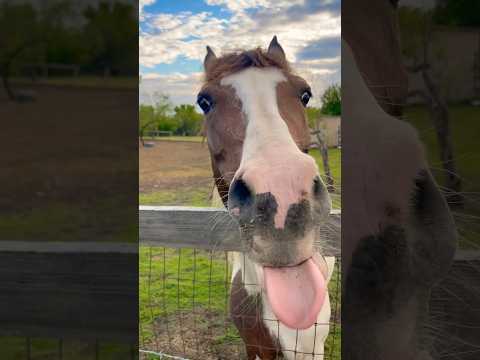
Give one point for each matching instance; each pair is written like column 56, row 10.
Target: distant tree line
column 184, row 120
column 162, row 115
column 100, row 40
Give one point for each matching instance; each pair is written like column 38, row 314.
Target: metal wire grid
column 184, row 312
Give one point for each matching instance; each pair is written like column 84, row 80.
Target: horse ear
column 275, row 50
column 209, row 60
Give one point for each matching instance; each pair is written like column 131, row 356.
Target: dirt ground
column 69, row 164
column 69, row 144
column 203, row 335
column 171, row 165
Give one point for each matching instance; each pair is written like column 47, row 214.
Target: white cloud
column 253, row 23
column 181, row 88
column 242, row 5
column 171, row 40
column 238, row 5
column 187, row 34
column 141, row 5
column 319, row 73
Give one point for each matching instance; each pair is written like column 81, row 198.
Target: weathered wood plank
column 211, row 229
column 69, row 290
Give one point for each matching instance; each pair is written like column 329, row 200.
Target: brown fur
column 237, row 61
column 246, row 312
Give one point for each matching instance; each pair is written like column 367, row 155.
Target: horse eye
column 305, row 98
column 205, row 103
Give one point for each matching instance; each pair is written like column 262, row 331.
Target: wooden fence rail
column 212, row 229
column 69, row 290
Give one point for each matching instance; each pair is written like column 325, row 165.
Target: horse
column 258, row 139
column 398, row 235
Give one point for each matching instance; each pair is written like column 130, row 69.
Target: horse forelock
column 234, row 62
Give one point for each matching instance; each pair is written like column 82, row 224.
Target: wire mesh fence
column 184, row 308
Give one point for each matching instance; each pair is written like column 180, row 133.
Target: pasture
column 178, row 172
column 184, row 293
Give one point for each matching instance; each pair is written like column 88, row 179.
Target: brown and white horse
column 258, row 137
column 398, row 235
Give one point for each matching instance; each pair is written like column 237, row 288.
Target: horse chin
column 269, row 249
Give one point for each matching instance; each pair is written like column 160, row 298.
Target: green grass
column 176, row 138
column 180, row 279
column 187, row 197
column 59, row 221
column 173, row 280
column 334, row 160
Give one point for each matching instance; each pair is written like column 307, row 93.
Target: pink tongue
column 296, row 293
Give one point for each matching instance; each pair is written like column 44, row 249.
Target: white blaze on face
column 271, row 161
column 257, row 89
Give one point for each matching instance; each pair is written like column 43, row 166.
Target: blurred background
column 69, row 180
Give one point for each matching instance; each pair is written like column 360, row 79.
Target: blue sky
column 173, row 36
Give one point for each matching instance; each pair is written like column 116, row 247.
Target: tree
column 153, row 116
column 417, row 41
column 109, row 28
column 331, row 101
column 21, row 39
column 189, row 122
column 457, row 12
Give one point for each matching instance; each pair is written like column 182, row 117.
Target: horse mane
column 239, row 60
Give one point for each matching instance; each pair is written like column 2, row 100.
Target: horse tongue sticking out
column 296, row 293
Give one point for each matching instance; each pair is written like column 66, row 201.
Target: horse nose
column 268, row 192
column 248, row 206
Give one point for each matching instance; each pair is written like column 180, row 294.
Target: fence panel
column 185, row 278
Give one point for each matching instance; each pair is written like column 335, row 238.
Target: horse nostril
column 317, row 186
column 240, row 195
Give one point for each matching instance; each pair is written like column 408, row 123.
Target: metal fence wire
column 184, row 307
